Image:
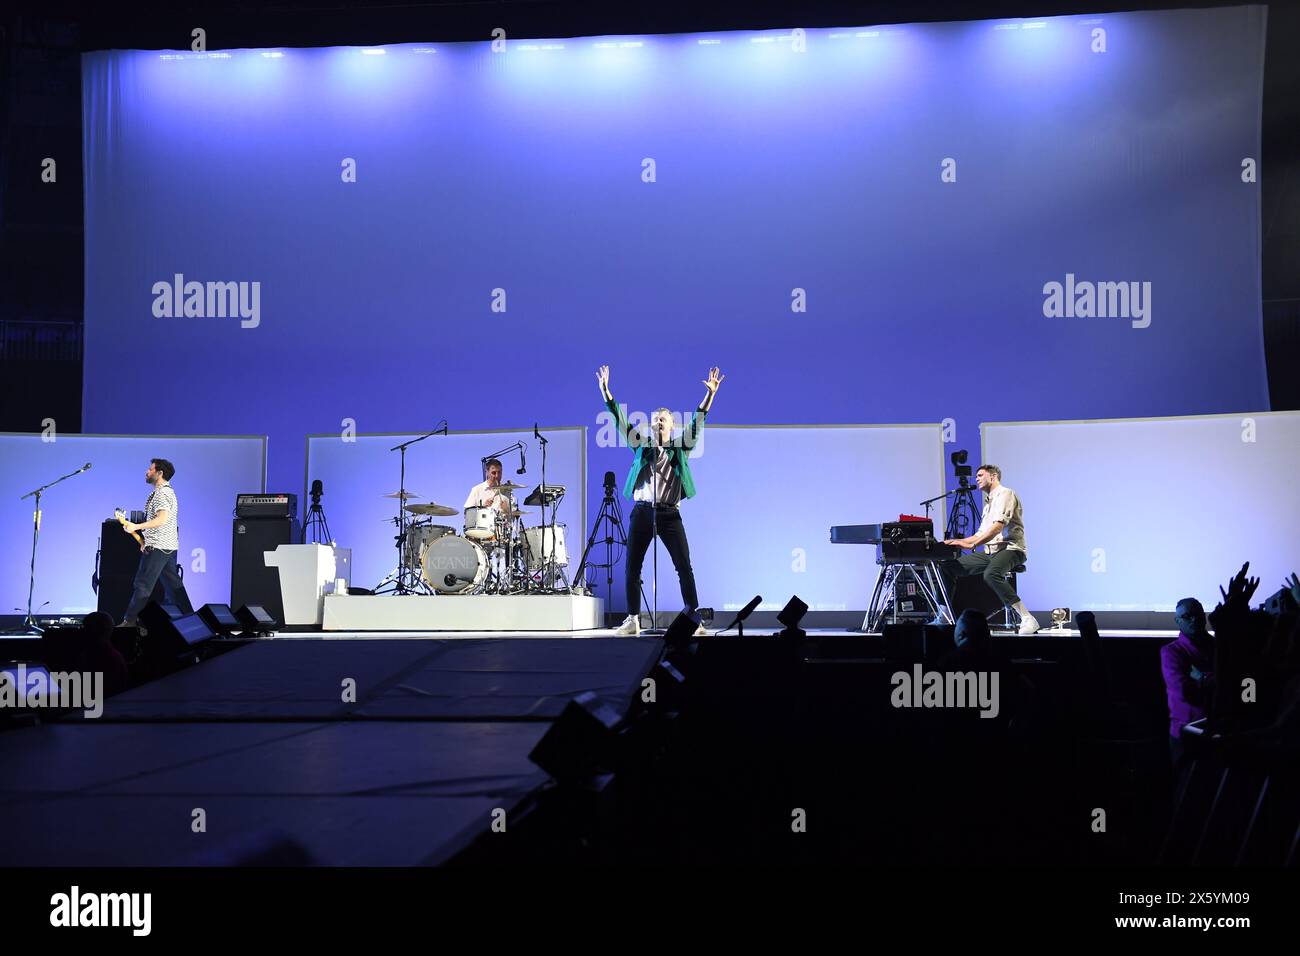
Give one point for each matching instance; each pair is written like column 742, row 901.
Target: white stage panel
column 468, row 612
column 1135, row 514
column 357, row 471
column 768, row 495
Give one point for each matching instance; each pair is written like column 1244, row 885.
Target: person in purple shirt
column 1188, row 667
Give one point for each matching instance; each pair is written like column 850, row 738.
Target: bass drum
column 454, row 565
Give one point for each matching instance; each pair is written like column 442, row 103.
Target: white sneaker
column 1029, row 624
column 630, row 627
column 701, row 631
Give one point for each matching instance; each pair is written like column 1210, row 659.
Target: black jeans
column 672, row 533
column 155, row 564
column 996, row 569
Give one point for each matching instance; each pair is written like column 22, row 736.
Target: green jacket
column 678, row 450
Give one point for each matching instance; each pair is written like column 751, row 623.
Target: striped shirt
column 164, row 536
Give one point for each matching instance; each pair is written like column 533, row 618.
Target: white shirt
column 1003, row 504
column 481, row 496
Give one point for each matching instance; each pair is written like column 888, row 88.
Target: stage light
column 791, row 616
column 272, row 54
column 579, row 741
column 708, row 42
column 374, row 52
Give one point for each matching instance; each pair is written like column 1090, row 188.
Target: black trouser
column 996, row 569
column 646, row 519
column 155, row 564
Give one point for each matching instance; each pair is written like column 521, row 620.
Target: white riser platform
column 469, row 612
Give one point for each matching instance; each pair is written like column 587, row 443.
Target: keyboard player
column 1002, row 535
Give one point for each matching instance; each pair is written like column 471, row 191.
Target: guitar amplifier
column 260, row 505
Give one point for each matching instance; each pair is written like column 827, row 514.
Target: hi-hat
column 398, row 494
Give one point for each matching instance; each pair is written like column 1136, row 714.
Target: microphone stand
column 654, row 629
column 547, row 552
column 929, row 502
column 404, row 572
column 29, row 625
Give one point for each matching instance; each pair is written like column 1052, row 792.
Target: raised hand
column 602, row 377
column 1292, row 584
column 714, row 380
column 1240, row 588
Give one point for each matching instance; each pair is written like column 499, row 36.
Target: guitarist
column 158, row 549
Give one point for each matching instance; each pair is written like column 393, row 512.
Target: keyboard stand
column 929, row 582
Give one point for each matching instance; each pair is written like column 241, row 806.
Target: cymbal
column 398, row 494
column 431, row 509
column 507, row 486
column 519, row 514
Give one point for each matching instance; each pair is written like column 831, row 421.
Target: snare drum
column 454, row 565
column 481, row 523
column 539, row 544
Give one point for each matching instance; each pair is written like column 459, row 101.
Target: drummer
column 486, row 494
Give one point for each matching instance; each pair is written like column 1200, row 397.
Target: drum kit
column 494, row 553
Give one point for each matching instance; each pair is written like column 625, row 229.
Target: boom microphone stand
column 29, row 625
column 404, row 572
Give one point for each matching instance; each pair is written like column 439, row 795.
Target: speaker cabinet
column 251, row 581
column 119, row 558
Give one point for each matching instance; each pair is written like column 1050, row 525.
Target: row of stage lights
column 525, row 47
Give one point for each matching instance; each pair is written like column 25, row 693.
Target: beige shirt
column 1003, row 505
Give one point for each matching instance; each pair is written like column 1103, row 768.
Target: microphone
column 523, row 462
column 85, row 467
column 444, row 427
column 536, row 434
column 745, row 612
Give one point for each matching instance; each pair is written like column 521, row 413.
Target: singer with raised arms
column 660, row 477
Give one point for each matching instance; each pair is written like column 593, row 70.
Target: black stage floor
column 261, row 741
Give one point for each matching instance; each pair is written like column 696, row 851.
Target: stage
column 261, row 740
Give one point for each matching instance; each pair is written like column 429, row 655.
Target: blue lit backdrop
column 775, row 170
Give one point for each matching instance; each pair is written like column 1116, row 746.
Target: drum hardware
column 405, row 579
column 404, row 495
column 550, row 574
